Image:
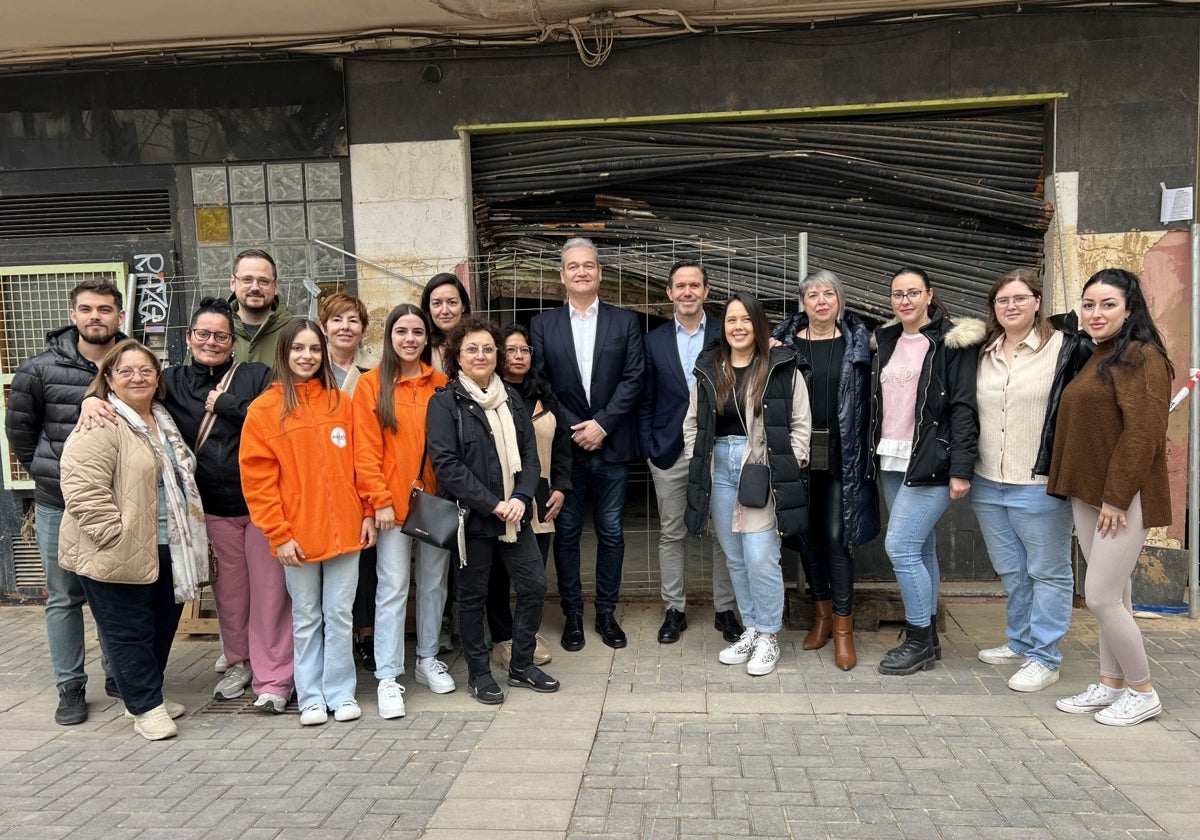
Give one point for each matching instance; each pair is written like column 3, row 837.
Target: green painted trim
column 810, row 112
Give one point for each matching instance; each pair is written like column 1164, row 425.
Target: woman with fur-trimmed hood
column 925, row 434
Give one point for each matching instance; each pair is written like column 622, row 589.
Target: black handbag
column 431, row 519
column 754, row 486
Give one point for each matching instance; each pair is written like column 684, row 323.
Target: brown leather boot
column 843, row 642
column 822, row 627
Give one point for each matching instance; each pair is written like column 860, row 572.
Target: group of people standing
column 296, row 464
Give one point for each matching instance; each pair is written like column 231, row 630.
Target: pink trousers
column 253, row 607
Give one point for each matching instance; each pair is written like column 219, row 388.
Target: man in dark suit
column 590, row 355
column 671, row 353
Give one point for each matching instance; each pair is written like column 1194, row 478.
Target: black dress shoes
column 610, row 632
column 674, row 624
column 729, row 626
column 572, row 637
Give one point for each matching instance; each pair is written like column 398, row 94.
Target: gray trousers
column 670, row 485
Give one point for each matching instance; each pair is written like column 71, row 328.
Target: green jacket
column 261, row 348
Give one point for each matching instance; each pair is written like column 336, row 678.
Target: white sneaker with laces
column 739, row 652
column 273, row 703
column 765, row 656
column 233, row 684
column 1092, row 699
column 433, row 672
column 1003, row 655
column 347, row 710
column 391, row 699
column 1131, row 707
column 313, row 715
column 1033, row 676
column 222, row 664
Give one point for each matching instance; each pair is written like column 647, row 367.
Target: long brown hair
column 389, row 364
column 1041, row 325
column 282, row 372
column 756, row 375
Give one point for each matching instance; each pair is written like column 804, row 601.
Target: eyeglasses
column 219, row 337
column 1015, row 300
column 261, row 282
column 911, row 294
column 129, row 373
column 472, row 350
column 518, row 351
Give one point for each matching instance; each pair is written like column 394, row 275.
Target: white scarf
column 494, row 402
column 186, row 534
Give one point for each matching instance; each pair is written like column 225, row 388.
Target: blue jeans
column 1028, row 537
column 64, row 603
column 911, row 545
column 753, row 558
column 394, row 551
column 322, row 603
column 607, row 483
column 137, row 622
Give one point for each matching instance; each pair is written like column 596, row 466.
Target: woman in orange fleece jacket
column 297, row 463
column 389, row 417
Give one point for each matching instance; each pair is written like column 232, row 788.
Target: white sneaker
column 1003, row 655
column 222, row 664
column 1095, row 697
column 765, row 656
column 272, row 703
column 391, row 699
column 313, row 715
column 347, row 710
column 233, row 684
column 1033, row 676
column 174, row 710
column 1131, row 707
column 739, row 652
column 433, row 672
column 541, row 651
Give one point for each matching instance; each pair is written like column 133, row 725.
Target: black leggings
column 827, row 563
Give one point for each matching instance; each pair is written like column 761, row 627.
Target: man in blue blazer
column 590, row 356
column 671, row 353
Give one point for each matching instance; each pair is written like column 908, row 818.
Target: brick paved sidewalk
column 653, row 741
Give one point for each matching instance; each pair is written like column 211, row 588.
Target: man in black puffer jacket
column 43, row 408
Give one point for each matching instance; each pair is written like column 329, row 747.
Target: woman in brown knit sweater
column 1110, row 459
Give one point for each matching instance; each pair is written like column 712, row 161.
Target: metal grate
column 85, row 214
column 243, row 705
column 28, row 572
column 34, row 300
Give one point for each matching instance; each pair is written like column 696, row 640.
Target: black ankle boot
column 916, row 654
column 937, row 644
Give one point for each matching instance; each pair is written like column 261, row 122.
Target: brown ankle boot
column 843, row 642
column 822, row 625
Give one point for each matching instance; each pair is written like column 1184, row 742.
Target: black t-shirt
column 729, row 419
column 826, row 357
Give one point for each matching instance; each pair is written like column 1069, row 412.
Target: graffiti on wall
column 151, row 285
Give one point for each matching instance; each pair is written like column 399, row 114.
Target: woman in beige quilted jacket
column 133, row 530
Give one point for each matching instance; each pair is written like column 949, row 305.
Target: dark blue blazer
column 665, row 394
column 617, row 369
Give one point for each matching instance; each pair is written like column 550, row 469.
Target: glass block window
column 283, row 208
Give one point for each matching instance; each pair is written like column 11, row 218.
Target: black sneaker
column 365, row 648
column 535, row 678
column 72, row 705
column 110, row 688
column 484, row 689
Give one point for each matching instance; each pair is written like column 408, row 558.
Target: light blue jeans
column 64, row 603
column 394, row 553
column 1028, row 537
column 910, row 543
column 753, row 558
column 322, row 603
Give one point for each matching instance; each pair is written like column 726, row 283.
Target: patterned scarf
column 186, row 534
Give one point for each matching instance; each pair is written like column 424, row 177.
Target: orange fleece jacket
column 298, row 478
column 387, row 463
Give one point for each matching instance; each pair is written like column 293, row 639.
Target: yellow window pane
column 212, row 224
